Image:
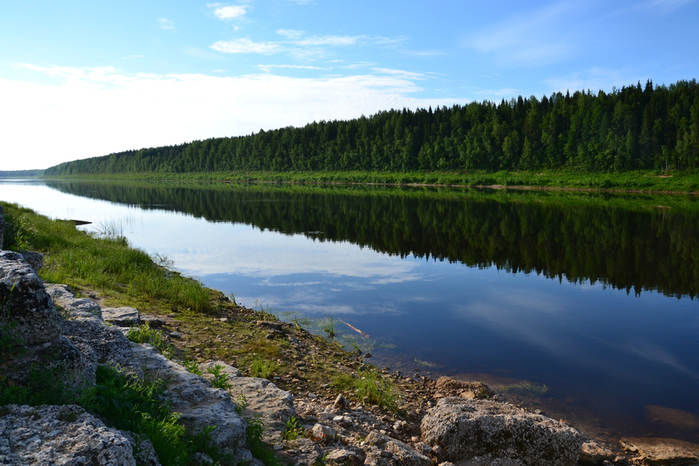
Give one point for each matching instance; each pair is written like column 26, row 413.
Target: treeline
column 630, row 249
column 636, row 127
column 20, row 173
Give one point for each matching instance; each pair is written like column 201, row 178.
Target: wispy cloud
column 328, row 40
column 402, row 73
column 269, row 68
column 246, row 46
column 665, row 6
column 229, row 12
column 540, row 37
column 166, row 24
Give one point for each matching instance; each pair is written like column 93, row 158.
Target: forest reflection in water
column 590, row 295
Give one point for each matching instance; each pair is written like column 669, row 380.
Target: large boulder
column 26, row 309
column 459, row 429
column 60, row 435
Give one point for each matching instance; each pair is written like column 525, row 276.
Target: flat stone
column 121, row 316
column 670, row 417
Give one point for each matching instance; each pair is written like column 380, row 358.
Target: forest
column 633, row 128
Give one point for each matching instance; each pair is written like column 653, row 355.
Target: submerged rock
column 664, row 451
column 459, row 429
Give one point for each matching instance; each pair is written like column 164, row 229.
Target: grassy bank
column 211, row 326
column 646, row 181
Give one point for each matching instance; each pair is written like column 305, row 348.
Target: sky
column 83, row 78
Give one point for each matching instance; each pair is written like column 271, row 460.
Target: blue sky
column 87, row 78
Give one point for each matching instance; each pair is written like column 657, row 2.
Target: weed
column 145, row 334
column 192, row 366
column 527, row 387
column 370, row 387
column 258, row 447
column 293, row 429
column 321, row 460
column 262, row 368
column 329, row 327
column 220, row 380
column 241, row 403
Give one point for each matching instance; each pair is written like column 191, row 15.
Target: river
column 581, row 303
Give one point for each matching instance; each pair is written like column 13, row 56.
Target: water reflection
column 575, row 292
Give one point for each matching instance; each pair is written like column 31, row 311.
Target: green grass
column 369, row 387
column 107, row 264
column 644, row 180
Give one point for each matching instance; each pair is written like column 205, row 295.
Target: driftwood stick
column 355, row 329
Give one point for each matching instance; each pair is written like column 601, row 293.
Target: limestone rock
column 469, row 390
column 595, row 453
column 2, row 226
column 322, row 433
column 80, row 309
column 224, row 368
column 201, row 405
column 34, row 259
column 345, row 457
column 121, row 316
column 26, row 305
column 400, row 453
column 662, row 450
column 108, row 343
column 48, row 435
column 461, row 429
column 274, row 405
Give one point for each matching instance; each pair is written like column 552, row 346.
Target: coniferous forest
column 632, row 128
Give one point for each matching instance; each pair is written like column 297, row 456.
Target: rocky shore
column 436, row 422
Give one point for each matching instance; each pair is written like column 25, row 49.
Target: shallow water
column 591, row 296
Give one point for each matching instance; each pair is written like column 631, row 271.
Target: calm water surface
column 592, row 296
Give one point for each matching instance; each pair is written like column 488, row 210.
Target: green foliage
column 369, row 387
column 293, row 429
column 44, row 387
column 635, row 127
column 262, row 368
column 107, row 263
column 192, row 366
column 329, row 327
column 220, row 380
column 144, row 334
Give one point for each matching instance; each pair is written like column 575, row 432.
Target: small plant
column 293, row 429
column 241, row 403
column 192, row 366
column 262, row 368
column 145, row 334
column 369, row 387
column 259, row 449
column 329, row 327
column 220, row 380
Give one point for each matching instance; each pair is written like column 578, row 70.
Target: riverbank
column 204, row 326
column 649, row 181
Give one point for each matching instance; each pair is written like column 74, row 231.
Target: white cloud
column 401, row 73
column 328, row 40
column 166, row 24
column 291, row 33
column 86, row 112
column 246, row 46
column 269, row 68
column 229, row 12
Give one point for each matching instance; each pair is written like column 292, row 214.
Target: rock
column 201, row 405
column 459, row 429
column 594, row 453
column 27, row 308
column 108, row 343
column 80, row 309
column 2, row 227
column 468, row 390
column 341, row 402
column 670, row 417
column 48, row 435
column 224, row 368
column 34, row 259
column 274, row 405
column 322, row 433
column 662, row 450
column 345, row 457
column 399, row 452
column 122, row 316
